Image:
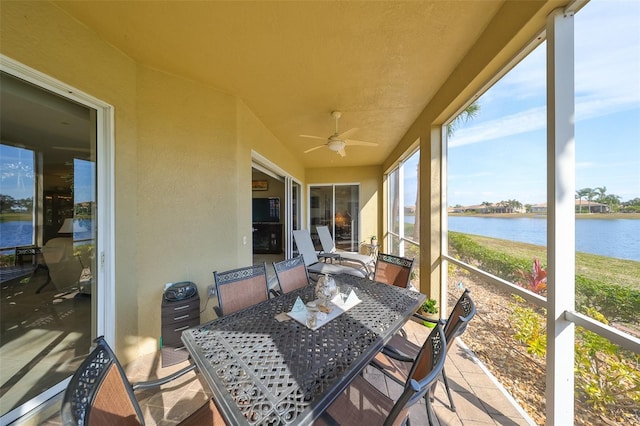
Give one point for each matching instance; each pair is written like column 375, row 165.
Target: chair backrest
column 463, row 311
column 393, row 270
column 99, row 392
column 305, row 246
column 241, row 288
column 326, row 240
column 291, row 274
column 64, row 267
column 424, row 372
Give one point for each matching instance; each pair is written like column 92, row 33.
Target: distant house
column 539, row 208
column 581, row 207
column 478, row 208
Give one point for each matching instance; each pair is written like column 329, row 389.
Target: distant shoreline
column 538, row 215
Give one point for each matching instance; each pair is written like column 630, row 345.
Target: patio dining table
column 263, row 369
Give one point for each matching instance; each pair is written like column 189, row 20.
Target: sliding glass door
column 338, row 207
column 48, row 237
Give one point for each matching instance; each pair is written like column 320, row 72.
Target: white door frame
column 104, row 287
column 265, row 165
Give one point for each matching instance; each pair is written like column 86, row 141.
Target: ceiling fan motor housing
column 335, row 144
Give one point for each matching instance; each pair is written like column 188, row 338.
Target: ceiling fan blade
column 342, row 153
column 314, row 148
column 313, row 137
column 353, row 142
column 344, row 135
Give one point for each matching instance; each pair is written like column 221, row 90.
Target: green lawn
column 8, row 217
column 600, row 268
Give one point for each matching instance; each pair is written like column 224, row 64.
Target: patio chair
column 363, row 404
column 329, row 250
column 240, row 288
column 100, row 394
column 313, row 264
column 291, row 274
column 393, row 270
column 396, row 357
column 62, row 266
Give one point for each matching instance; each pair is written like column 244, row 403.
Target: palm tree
column 487, row 206
column 469, row 113
column 601, row 191
column 591, row 193
column 515, row 205
column 580, row 194
column 612, row 200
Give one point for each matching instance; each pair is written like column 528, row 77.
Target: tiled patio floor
column 478, row 399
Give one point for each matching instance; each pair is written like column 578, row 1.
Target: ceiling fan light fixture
column 336, row 145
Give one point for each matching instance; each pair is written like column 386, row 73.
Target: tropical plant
column 467, row 114
column 535, row 281
column 601, row 193
column 529, row 327
column 607, row 378
column 430, row 306
column 582, row 193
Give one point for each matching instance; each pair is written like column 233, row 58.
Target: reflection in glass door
column 47, row 240
column 338, row 207
column 293, row 214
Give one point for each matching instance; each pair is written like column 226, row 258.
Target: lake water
column 619, row 238
column 19, row 233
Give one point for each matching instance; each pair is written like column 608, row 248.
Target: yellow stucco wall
column 44, row 38
column 182, row 165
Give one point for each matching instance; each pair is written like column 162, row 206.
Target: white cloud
column 521, row 122
column 606, row 76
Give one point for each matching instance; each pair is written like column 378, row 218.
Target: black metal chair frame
column 286, row 265
column 83, row 388
column 402, row 262
column 415, row 389
column 452, row 328
column 234, row 275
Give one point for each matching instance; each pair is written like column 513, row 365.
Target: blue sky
column 501, row 154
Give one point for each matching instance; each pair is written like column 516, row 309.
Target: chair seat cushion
column 333, row 269
column 397, row 370
column 112, row 404
column 360, row 404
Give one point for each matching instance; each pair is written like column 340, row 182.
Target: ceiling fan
column 338, row 141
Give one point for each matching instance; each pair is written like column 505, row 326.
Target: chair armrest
column 326, row 256
column 163, row 380
column 422, row 318
column 394, row 353
column 274, row 293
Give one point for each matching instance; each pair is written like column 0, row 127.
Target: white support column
column 561, row 218
column 401, row 203
column 288, row 207
column 439, row 140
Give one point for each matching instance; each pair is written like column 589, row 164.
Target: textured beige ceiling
column 292, row 63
